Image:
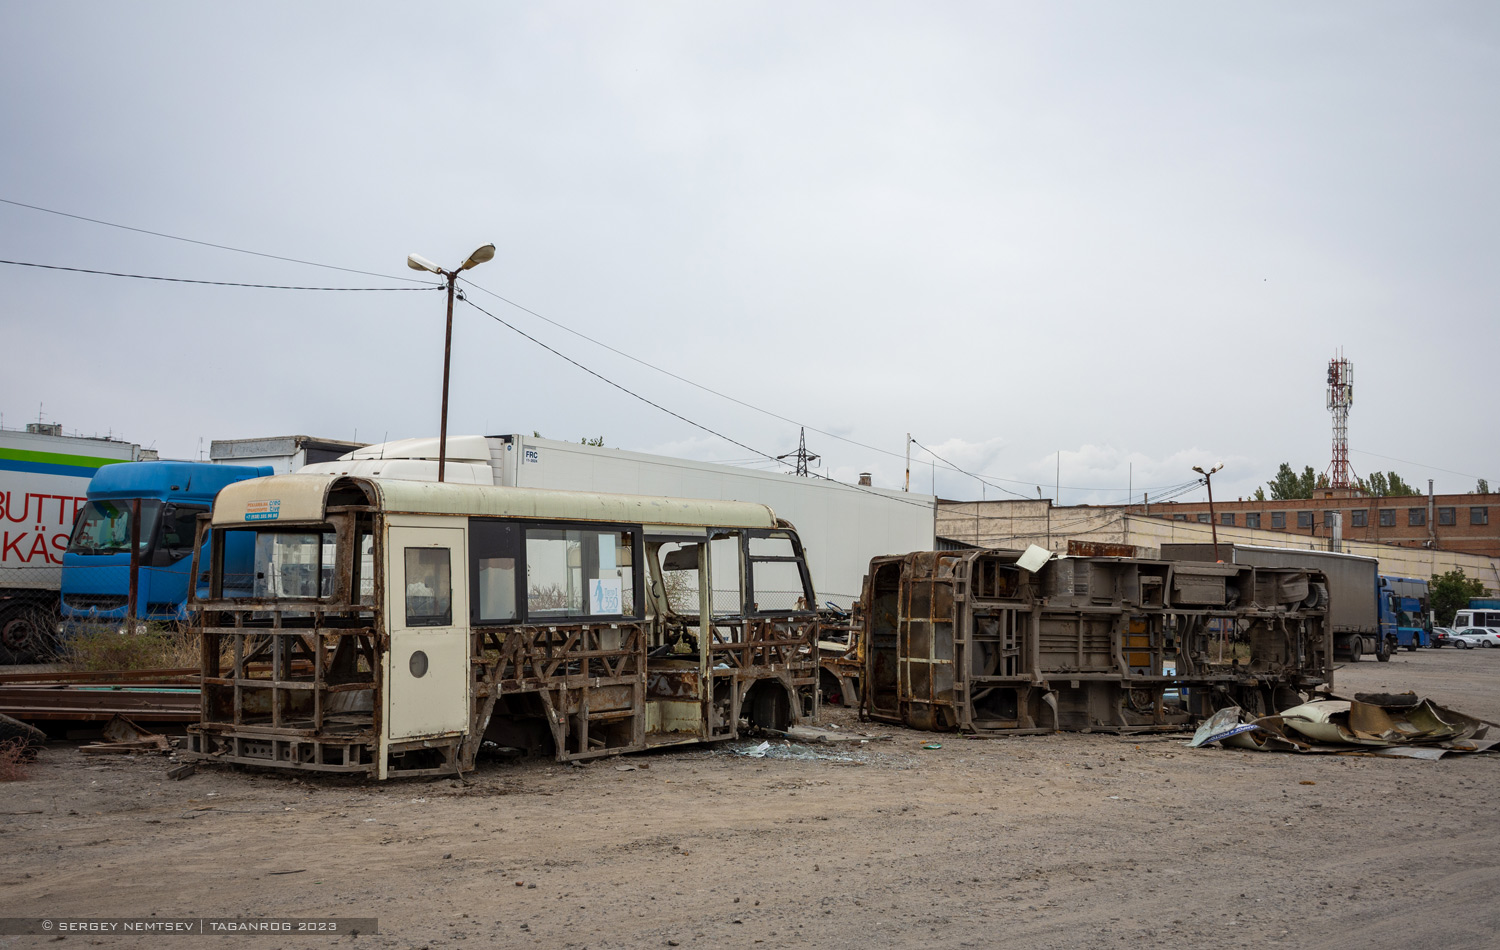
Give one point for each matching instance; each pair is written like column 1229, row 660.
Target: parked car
column 1470, row 637
column 1441, row 637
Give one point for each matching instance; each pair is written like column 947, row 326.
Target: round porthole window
column 419, row 664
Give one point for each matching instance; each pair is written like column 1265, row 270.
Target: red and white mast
column 1340, row 398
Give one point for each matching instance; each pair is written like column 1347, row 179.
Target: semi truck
column 842, row 526
column 152, row 507
column 44, row 477
column 1354, row 591
column 166, row 498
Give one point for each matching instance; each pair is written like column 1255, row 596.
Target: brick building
column 1448, row 522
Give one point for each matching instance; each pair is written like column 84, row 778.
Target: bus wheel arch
column 770, row 703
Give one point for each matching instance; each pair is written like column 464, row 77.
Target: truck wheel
column 1392, row 647
column 27, row 634
column 1356, row 648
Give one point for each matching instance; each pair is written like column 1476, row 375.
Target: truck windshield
column 104, row 526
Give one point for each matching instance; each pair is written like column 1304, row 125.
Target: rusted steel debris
column 1385, row 725
column 167, row 695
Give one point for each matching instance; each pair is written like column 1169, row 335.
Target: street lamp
column 418, row 262
column 1208, row 479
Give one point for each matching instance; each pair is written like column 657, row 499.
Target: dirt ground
column 1066, row 841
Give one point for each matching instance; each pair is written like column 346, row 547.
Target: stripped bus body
column 390, row 628
column 973, row 641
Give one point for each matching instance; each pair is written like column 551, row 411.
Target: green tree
column 1448, row 592
column 1482, row 488
column 596, row 443
column 1384, row 485
column 1288, row 484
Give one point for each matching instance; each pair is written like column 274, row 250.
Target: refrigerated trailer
column 842, row 526
column 44, row 477
column 1354, row 606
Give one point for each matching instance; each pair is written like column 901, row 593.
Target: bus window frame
column 799, row 556
column 339, row 592
column 523, row 607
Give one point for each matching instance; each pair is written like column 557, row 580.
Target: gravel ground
column 1066, row 841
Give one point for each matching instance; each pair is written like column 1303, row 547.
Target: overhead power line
column 212, row 283
column 676, row 415
column 1410, row 462
column 293, row 260
column 188, row 240
column 763, row 411
column 961, row 471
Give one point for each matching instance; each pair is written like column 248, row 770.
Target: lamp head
column 418, row 262
column 479, row 257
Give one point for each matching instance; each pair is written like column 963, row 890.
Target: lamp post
column 1208, row 479
column 418, row 262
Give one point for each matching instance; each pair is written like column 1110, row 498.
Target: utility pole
column 1213, row 524
column 907, row 485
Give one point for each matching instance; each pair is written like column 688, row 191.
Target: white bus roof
column 302, row 498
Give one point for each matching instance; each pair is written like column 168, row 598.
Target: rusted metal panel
column 673, row 684
column 1100, row 549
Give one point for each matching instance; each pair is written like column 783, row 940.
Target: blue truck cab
column 1405, row 619
column 96, row 564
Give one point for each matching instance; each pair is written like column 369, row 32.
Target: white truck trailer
column 841, row 526
column 44, row 478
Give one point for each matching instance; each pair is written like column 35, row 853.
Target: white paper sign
column 604, row 595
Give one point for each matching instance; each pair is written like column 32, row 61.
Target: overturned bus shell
column 389, row 627
column 970, row 640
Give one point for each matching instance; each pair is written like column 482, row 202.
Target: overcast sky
column 1132, row 234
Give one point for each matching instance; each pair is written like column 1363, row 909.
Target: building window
column 1359, row 518
column 1203, row 517
column 1179, row 517
column 1447, row 516
column 1226, row 518
column 1252, row 519
column 1387, row 517
column 1479, row 515
column 1416, row 517
column 1304, row 519
column 1278, row 519
column 1328, row 518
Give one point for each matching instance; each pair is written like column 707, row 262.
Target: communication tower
column 1340, row 398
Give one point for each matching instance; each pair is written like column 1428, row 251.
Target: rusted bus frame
column 1308, row 665
column 843, row 662
column 563, row 664
column 766, row 643
column 244, row 738
column 282, row 662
